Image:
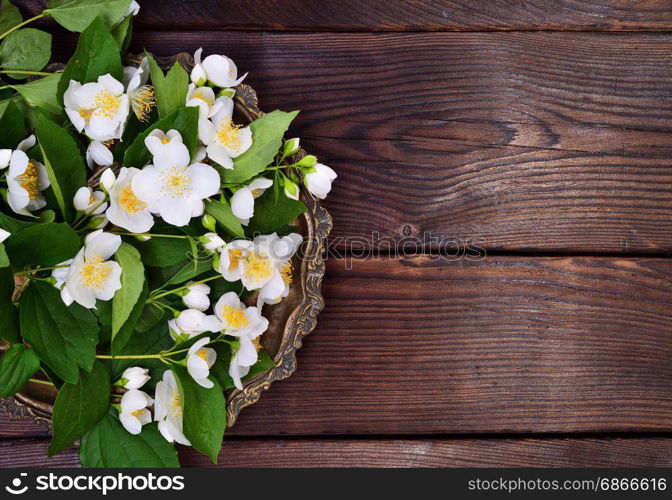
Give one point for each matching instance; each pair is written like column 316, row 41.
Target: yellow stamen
column 165, row 139
column 256, row 343
column 29, row 180
column 257, row 193
column 234, row 317
column 257, row 266
column 175, row 406
column 143, row 102
column 86, row 113
column 199, row 95
column 229, row 135
column 235, row 256
column 95, row 273
column 130, row 202
column 138, row 413
column 176, row 183
column 203, row 354
column 106, row 104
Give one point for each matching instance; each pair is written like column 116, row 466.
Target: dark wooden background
column 540, row 131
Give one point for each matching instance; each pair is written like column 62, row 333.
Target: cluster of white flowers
column 174, row 187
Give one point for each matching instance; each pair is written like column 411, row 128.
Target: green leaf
column 151, row 315
column 132, row 281
column 79, row 407
column 263, row 364
column 204, row 413
column 171, row 89
column 64, row 164
column 183, row 271
column 269, row 215
column 63, row 337
column 9, row 319
column 267, row 134
column 221, row 210
column 184, row 120
column 42, row 93
column 152, row 341
column 76, row 15
column 126, row 330
column 9, row 16
column 26, row 49
column 17, row 365
column 14, row 225
column 122, row 33
column 163, row 252
column 109, row 445
column 13, row 126
column 43, row 244
column 97, row 54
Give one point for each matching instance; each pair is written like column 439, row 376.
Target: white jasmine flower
column 26, row 179
column 90, row 275
column 238, row 320
column 134, row 377
column 107, row 179
column 4, row 235
column 99, row 109
column 212, row 242
column 192, row 322
column 261, row 261
column 278, row 287
column 217, row 69
column 89, row 202
column 197, row 297
column 204, row 99
column 133, row 9
column 126, row 209
column 157, row 141
column 6, row 154
column 224, row 139
column 175, row 188
column 319, row 182
column 168, row 409
column 242, row 202
column 231, row 259
column 134, row 413
column 244, row 357
column 140, row 95
column 199, row 361
column 60, row 275
column 98, row 154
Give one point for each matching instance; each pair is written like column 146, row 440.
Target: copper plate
column 290, row 320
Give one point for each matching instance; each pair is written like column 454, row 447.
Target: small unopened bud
column 208, row 222
column 228, row 92
column 291, row 147
column 107, row 180
column 291, row 189
column 308, row 161
column 98, row 222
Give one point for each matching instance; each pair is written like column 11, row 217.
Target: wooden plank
column 17, row 423
column 518, row 141
column 400, row 15
column 505, row 345
column 345, row 452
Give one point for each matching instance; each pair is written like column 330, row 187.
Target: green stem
column 24, row 72
column 143, row 356
column 31, row 271
column 5, row 87
column 152, row 235
column 43, row 382
column 21, row 25
column 175, row 290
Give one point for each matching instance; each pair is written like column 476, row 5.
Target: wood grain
column 519, row 141
column 400, row 15
column 348, row 452
column 509, row 344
